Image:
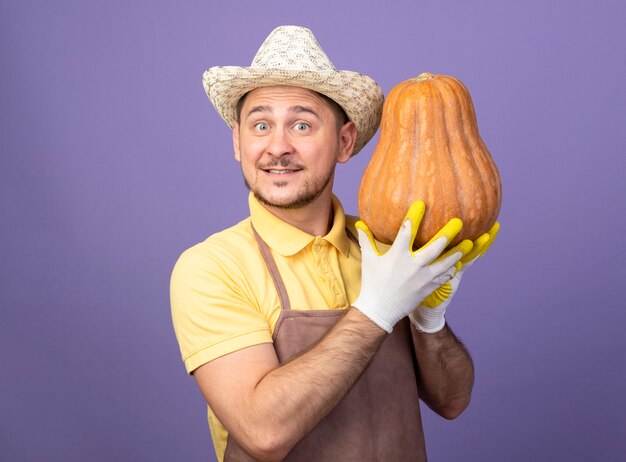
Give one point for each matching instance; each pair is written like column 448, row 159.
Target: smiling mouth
column 281, row 172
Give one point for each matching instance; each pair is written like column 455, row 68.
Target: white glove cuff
column 428, row 320
column 373, row 314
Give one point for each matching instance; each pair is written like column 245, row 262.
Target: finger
column 415, row 215
column 408, row 230
column 494, row 229
column 465, row 247
column 404, row 239
column 445, row 277
column 438, row 296
column 443, row 265
column 493, row 232
column 366, row 235
column 445, row 235
column 449, row 230
column 479, row 245
column 428, row 253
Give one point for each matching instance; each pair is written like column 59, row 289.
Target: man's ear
column 347, row 139
column 236, row 142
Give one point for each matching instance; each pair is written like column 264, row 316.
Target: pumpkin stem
column 424, row 76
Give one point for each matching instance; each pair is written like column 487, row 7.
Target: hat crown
column 292, row 48
column 291, row 56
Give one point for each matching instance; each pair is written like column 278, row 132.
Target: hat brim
column 359, row 95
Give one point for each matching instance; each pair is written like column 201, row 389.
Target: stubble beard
column 305, row 197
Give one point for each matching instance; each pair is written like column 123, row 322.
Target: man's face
column 288, row 142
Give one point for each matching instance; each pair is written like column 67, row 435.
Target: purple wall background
column 114, row 162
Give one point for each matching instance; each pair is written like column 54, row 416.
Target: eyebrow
column 263, row 108
column 293, row 109
column 301, row 109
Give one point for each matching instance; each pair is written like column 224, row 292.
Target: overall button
column 324, row 269
column 317, row 247
column 336, row 290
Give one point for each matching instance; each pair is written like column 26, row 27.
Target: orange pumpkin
column 429, row 148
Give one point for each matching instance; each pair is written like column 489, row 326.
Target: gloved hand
column 429, row 316
column 393, row 284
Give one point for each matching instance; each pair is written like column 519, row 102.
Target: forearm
column 292, row 399
column 445, row 371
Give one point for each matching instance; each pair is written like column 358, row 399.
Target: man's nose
column 279, row 143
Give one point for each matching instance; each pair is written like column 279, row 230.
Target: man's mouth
column 281, row 171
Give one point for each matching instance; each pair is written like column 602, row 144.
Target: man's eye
column 302, row 127
column 261, row 126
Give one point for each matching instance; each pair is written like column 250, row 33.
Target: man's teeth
column 281, row 171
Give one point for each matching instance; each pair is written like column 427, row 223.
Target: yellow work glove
column 429, row 315
column 394, row 283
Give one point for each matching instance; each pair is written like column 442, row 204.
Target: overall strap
column 352, row 237
column 273, row 269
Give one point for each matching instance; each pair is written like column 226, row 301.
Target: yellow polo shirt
column 223, row 298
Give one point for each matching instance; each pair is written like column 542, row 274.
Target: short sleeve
column 211, row 312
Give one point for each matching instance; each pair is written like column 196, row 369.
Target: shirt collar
column 288, row 240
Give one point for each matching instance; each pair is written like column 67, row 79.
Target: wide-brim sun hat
column 290, row 55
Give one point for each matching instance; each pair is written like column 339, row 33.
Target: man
column 301, row 344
